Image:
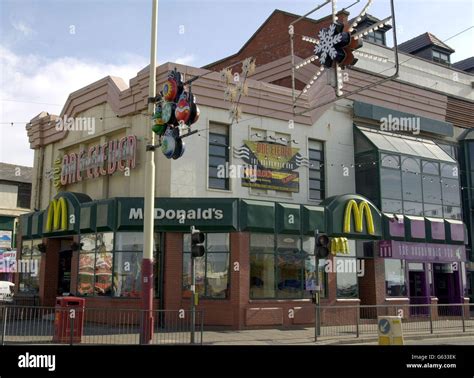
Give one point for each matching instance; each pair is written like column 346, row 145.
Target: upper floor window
column 218, row 156
column 376, row 37
column 316, row 170
column 440, row 57
column 24, row 195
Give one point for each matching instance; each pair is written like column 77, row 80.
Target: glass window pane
column 308, row 244
column 379, row 140
column 430, row 167
column 103, row 272
column 288, row 243
column 218, row 183
column 390, row 183
column 217, row 138
column 262, row 243
column 315, row 154
column 200, row 274
column 395, row 282
column 451, row 195
column 262, row 275
column 127, row 274
column 217, row 150
column 401, row 145
column 392, row 206
column 314, row 174
column 129, row 241
column 411, row 183
column 315, row 184
column 421, row 149
column 431, row 189
column 452, row 212
column 85, row 276
column 346, row 277
column 217, row 242
column 390, row 161
column 412, row 208
column 216, row 161
column 217, row 275
column 290, row 275
column 449, row 170
column 186, row 271
column 313, row 164
column 316, row 194
column 411, row 164
column 433, row 210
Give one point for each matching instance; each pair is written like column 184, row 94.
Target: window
column 440, row 57
column 218, row 156
column 212, row 269
column 283, row 266
column 390, row 183
column 127, row 264
column 376, row 37
column 29, row 281
column 395, row 282
column 24, row 195
column 346, row 274
column 316, row 170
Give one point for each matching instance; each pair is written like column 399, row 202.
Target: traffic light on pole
column 197, row 243
column 321, row 245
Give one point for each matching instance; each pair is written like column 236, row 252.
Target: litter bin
column 69, row 319
column 390, row 330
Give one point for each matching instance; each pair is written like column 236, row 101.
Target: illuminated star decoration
column 335, row 46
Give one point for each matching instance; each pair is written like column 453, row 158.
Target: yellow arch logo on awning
column 57, row 215
column 339, row 245
column 359, row 211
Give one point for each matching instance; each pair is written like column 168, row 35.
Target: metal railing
column 48, row 325
column 356, row 321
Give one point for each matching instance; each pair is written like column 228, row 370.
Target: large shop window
column 110, row 264
column 31, row 258
column 212, row 269
column 316, row 170
column 283, row 266
column 395, row 279
column 218, row 156
column 346, row 275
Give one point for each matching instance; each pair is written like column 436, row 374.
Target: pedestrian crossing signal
column 197, row 243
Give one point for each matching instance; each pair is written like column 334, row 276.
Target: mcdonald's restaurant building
column 259, row 268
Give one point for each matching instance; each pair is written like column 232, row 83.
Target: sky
column 50, row 48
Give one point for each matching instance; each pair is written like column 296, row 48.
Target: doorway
column 446, row 288
column 418, row 292
column 64, row 272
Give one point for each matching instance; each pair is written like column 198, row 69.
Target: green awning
column 312, row 219
column 105, row 215
column 258, row 216
column 7, row 223
column 288, row 218
column 88, row 217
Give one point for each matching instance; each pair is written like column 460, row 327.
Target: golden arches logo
column 57, row 215
column 359, row 211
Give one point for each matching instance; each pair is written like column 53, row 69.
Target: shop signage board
column 116, row 155
column 427, row 252
column 271, row 166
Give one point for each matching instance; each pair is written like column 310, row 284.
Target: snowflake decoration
column 336, row 45
column 327, row 42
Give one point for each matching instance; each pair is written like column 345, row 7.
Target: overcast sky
column 50, row 48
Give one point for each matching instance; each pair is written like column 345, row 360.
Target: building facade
column 259, row 188
column 15, row 198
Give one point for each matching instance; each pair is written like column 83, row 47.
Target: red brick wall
column 272, row 41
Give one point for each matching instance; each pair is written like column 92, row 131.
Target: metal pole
column 463, row 315
column 148, row 221
column 4, row 328
column 193, row 298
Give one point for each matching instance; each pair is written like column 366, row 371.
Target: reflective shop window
column 29, row 281
column 212, row 269
column 395, row 280
column 127, row 264
column 346, row 277
column 411, row 180
column 390, row 181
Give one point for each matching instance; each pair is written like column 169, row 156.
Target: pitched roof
column 422, row 41
column 17, row 173
column 465, row 64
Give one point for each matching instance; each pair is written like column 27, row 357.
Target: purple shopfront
column 432, row 269
column 434, row 255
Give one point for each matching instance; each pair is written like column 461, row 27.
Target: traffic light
column 321, row 245
column 197, row 243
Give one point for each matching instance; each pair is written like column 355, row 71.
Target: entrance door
column 64, row 272
column 417, row 282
